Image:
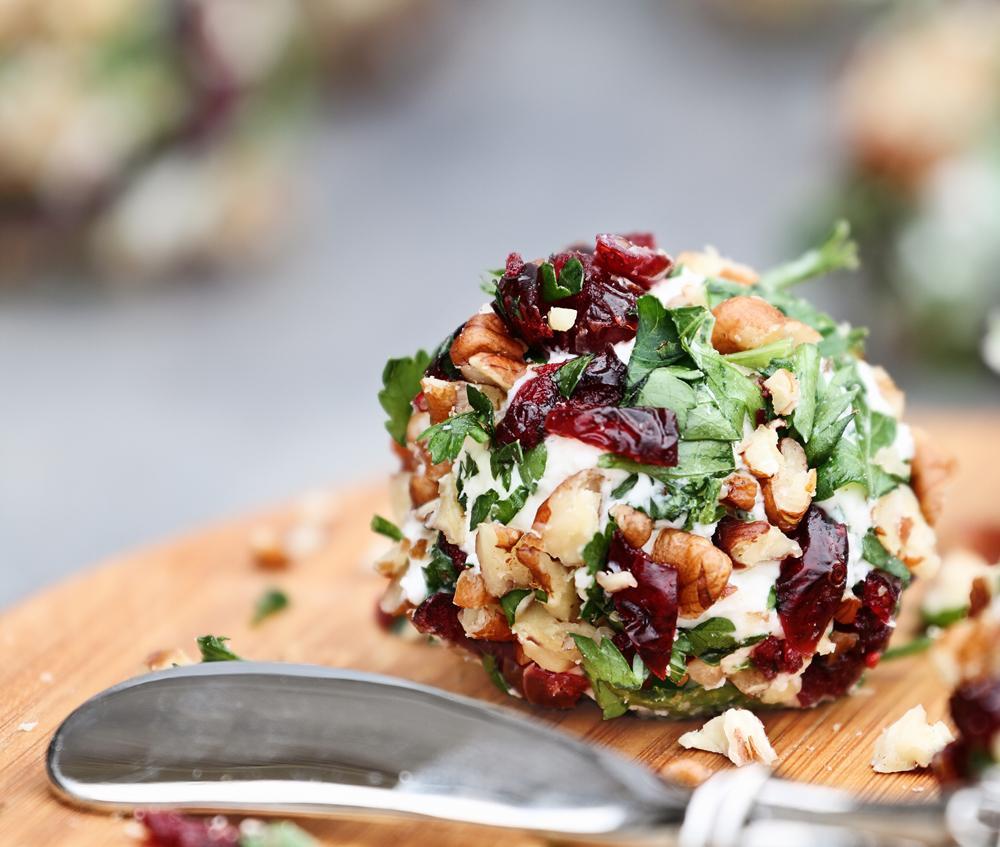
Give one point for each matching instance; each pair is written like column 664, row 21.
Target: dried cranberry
column 644, row 435
column 438, row 616
column 832, row 676
column 775, row 655
column 457, row 555
column 880, row 594
column 643, row 239
column 170, row 829
column 514, row 264
column 602, row 382
column 519, row 302
column 810, row 587
column 975, row 709
column 555, row 690
column 649, row 611
column 524, row 419
column 605, row 307
column 621, row 256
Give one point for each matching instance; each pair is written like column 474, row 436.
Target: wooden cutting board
column 62, row 646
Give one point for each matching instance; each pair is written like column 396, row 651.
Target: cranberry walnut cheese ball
column 672, row 486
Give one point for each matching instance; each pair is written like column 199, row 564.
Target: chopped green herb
column 838, row 252
column 875, row 554
column 760, row 357
column 569, row 282
column 656, row 341
column 439, row 572
column 511, row 600
column 493, row 672
column 385, row 527
column 772, row 597
column 481, row 405
column 213, row 649
column 271, row 602
column 567, row 377
column 400, row 384
column 503, row 460
column 595, row 552
column 694, row 459
column 606, row 666
column 625, row 487
column 805, row 366
column 445, row 440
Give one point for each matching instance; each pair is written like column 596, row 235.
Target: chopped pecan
column 702, row 569
column 745, row 323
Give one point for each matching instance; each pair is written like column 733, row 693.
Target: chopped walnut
column 710, row 264
column 909, row 743
column 739, row 492
column 703, row 569
column 783, row 386
column 618, row 581
column 745, row 323
column 788, row 493
column 635, row 526
column 737, row 734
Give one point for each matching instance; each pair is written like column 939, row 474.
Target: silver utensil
column 270, row 738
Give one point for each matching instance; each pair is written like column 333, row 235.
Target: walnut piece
column 745, row 323
column 783, row 386
column 740, row 492
column 636, row 527
column 500, row 569
column 703, row 569
column 751, row 543
column 788, row 493
column 570, row 516
column 909, row 743
column 931, row 471
column 485, row 352
column 710, row 264
column 737, row 734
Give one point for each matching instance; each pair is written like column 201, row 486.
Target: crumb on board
column 737, row 734
column 27, row 726
column 909, row 743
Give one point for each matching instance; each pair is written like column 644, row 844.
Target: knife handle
column 749, row 808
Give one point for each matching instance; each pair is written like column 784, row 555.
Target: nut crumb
column 27, row 726
column 737, row 734
column 909, row 743
column 687, row 772
column 46, row 677
column 837, row 727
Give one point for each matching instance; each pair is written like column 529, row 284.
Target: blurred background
column 218, row 218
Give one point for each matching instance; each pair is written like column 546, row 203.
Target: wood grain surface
column 65, row 644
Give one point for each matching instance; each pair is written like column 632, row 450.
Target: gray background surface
column 129, row 417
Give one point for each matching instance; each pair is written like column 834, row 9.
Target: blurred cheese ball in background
column 920, row 113
column 142, row 139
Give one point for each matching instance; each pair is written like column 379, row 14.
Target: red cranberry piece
column 643, row 239
column 514, row 265
column 645, row 435
column 457, row 555
column 602, row 382
column 810, row 588
column 438, row 616
column 880, row 594
column 975, row 709
column 554, row 690
column 524, row 419
column 649, row 611
column 643, row 265
column 774, row 655
column 519, row 303
column 605, row 307
column 169, row 829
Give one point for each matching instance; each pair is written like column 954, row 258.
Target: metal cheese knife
column 271, row 738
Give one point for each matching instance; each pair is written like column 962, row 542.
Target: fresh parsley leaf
column 712, row 636
column 610, row 701
column 503, row 460
column 707, row 422
column 567, row 377
column 482, row 507
column 511, row 600
column 694, row 459
column 664, row 390
column 760, row 357
column 625, row 487
column 838, row 252
column 445, row 440
column 271, row 602
column 829, row 423
column 400, row 384
column 213, row 649
column 656, row 341
column 846, row 466
column 385, row 527
column 805, row 366
column 569, row 282
column 772, row 598
column 604, row 662
column 532, row 468
column 679, row 652
column 439, row 572
column 441, row 357
column 493, row 672
column 875, row 554
column 482, row 406
column 595, row 551
column 505, row 510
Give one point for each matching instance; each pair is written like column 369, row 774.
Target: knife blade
column 275, row 738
